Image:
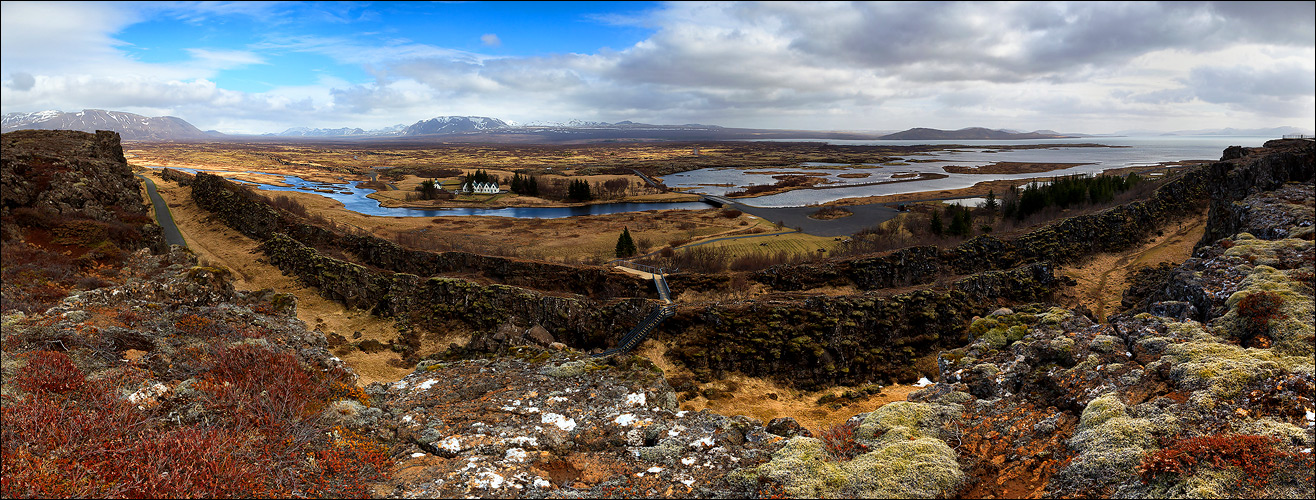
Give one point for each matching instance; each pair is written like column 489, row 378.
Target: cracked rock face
column 540, row 423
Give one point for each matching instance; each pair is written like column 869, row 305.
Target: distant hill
column 131, row 127
column 973, row 133
column 341, row 132
column 454, row 125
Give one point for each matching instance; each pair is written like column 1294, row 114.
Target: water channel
column 1128, row 151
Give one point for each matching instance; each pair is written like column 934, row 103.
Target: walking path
column 655, row 317
column 163, row 216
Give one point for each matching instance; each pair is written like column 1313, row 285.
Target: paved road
column 163, row 216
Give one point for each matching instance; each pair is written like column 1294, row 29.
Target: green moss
column 1292, row 333
column 921, row 468
column 1223, row 369
column 1265, row 252
column 801, row 466
column 903, row 420
column 1100, row 410
column 572, row 368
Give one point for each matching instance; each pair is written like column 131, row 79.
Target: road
column 162, row 215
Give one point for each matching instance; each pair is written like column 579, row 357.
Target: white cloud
column 1091, row 67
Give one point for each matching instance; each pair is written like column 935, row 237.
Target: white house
column 480, row 188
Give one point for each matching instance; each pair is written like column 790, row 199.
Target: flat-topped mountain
column 132, row 127
column 972, row 133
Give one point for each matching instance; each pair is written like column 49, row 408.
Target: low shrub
column 1256, row 456
column 49, row 371
column 839, row 441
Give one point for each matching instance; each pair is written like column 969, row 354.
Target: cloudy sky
column 248, row 67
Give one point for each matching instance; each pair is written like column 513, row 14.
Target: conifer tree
column 625, row 245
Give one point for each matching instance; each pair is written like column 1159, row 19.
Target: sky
column 256, row 67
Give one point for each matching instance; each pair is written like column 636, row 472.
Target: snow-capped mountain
column 131, row 127
column 341, row 132
column 454, row 125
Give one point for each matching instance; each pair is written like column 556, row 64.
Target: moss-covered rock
column 911, row 467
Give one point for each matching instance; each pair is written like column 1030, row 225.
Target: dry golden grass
column 765, row 400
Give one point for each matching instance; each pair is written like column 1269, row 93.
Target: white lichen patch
column 635, row 399
column 451, row 444
column 515, row 455
column 562, row 422
column 624, row 420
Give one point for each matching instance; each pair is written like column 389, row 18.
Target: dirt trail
column 215, row 243
column 1101, row 279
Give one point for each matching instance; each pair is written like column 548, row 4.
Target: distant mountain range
column 973, row 133
column 341, row 132
column 131, row 127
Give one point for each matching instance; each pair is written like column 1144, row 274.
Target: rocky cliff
column 71, row 212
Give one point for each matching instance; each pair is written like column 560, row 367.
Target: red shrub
column 259, row 387
column 840, row 443
column 1255, row 455
column 1260, row 309
column 49, row 371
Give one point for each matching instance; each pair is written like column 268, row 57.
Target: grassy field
column 796, row 244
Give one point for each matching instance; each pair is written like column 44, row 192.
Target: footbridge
column 656, row 316
column 716, row 200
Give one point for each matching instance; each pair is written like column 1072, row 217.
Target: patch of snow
column 427, row 384
column 417, row 455
column 556, row 399
column 923, row 382
column 688, row 461
column 406, row 418
column 541, row 483
column 688, row 482
column 624, row 420
column 654, row 470
column 681, row 413
column 564, row 423
column 1311, row 418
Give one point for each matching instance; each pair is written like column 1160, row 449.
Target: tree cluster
column 579, row 190
column 1064, row 192
column 525, row 184
column 429, row 190
column 480, row 176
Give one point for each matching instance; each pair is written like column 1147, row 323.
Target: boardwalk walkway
column 655, row 317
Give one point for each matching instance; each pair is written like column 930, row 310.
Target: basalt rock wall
column 257, row 219
column 436, row 303
column 824, row 341
column 1250, row 171
column 815, row 342
column 1244, row 172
